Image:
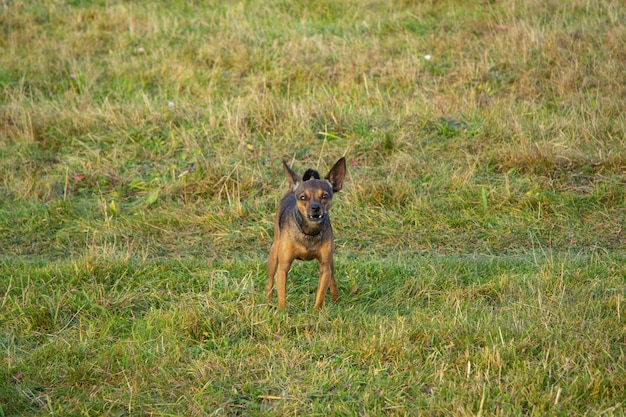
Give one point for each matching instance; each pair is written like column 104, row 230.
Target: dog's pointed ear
column 336, row 174
column 293, row 178
column 310, row 173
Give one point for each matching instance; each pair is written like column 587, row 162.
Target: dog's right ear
column 336, row 174
column 293, row 178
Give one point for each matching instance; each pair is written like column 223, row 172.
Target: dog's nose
column 316, row 208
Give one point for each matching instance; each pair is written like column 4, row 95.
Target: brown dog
column 302, row 230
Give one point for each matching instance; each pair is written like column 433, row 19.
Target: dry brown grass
column 480, row 231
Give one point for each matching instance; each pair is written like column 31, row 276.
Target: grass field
column 480, row 233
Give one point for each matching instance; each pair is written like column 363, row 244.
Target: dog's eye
column 325, row 196
column 302, row 197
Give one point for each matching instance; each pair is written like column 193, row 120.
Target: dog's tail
column 310, row 173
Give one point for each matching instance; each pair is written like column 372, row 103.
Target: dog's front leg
column 284, row 264
column 326, row 271
column 272, row 263
column 333, row 284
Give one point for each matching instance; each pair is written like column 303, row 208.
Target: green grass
column 480, row 233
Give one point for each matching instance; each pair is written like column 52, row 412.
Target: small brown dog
column 302, row 230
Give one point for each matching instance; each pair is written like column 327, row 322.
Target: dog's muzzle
column 316, row 213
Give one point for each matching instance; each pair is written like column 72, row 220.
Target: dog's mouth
column 316, row 218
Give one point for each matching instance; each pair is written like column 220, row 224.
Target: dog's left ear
column 336, row 174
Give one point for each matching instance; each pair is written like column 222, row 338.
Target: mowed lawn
column 480, row 258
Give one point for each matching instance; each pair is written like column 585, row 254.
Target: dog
column 302, row 230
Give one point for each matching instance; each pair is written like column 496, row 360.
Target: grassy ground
column 480, row 259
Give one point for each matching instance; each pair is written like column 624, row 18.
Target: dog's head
column 314, row 195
